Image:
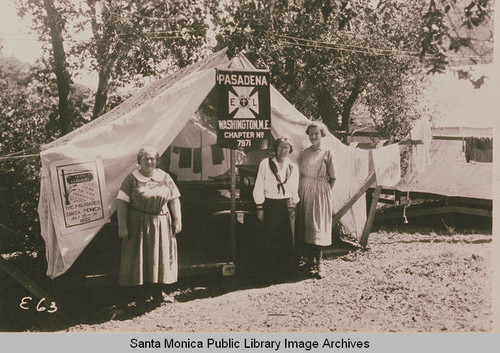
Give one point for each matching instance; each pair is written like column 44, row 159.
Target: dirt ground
column 404, row 283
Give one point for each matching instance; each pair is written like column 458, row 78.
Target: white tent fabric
column 155, row 116
column 458, row 103
column 193, row 134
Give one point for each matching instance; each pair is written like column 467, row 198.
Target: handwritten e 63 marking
column 27, row 302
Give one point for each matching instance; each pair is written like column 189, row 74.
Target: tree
column 28, row 119
column 456, row 32
column 322, row 53
column 132, row 39
column 326, row 56
column 50, row 23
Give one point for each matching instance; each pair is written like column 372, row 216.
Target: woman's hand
column 331, row 181
column 260, row 215
column 123, row 233
column 177, row 226
column 121, row 211
column 175, row 208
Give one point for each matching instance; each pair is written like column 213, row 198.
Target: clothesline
column 362, row 49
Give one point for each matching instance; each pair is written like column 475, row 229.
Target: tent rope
column 8, row 158
column 404, row 209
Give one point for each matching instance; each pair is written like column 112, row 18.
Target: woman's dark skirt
column 277, row 251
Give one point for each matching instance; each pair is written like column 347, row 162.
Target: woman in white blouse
column 276, row 194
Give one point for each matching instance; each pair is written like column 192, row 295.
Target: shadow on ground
column 98, row 304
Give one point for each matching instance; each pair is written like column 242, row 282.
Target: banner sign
column 80, row 194
column 243, row 108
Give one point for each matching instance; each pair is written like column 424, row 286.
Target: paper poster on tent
column 243, row 108
column 80, row 195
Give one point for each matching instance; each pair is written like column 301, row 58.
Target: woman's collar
column 158, row 175
column 286, row 160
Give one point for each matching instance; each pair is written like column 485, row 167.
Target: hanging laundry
column 185, row 157
column 217, row 154
column 386, row 162
column 421, row 155
column 361, row 165
column 197, row 163
column 479, row 149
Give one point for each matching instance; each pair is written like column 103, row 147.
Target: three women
column 149, row 214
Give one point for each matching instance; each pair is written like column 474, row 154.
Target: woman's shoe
column 167, row 298
column 317, row 275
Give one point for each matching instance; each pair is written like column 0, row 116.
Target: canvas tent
column 156, row 115
column 451, row 175
column 462, row 111
column 447, row 172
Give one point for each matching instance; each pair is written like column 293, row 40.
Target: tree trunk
column 346, row 111
column 327, row 110
column 271, row 13
column 101, row 95
column 105, row 64
column 60, row 67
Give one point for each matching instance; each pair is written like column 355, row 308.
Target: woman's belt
column 276, row 200
column 313, row 178
column 149, row 213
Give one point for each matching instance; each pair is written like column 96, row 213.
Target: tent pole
column 347, row 206
column 371, row 214
column 201, row 152
column 233, row 205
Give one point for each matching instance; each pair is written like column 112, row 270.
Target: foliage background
column 337, row 61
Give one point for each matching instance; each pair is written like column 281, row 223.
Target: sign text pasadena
column 241, row 80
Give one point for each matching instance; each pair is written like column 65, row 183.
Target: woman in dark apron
column 276, row 194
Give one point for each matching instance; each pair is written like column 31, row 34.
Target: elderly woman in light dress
column 279, row 187
column 149, row 217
